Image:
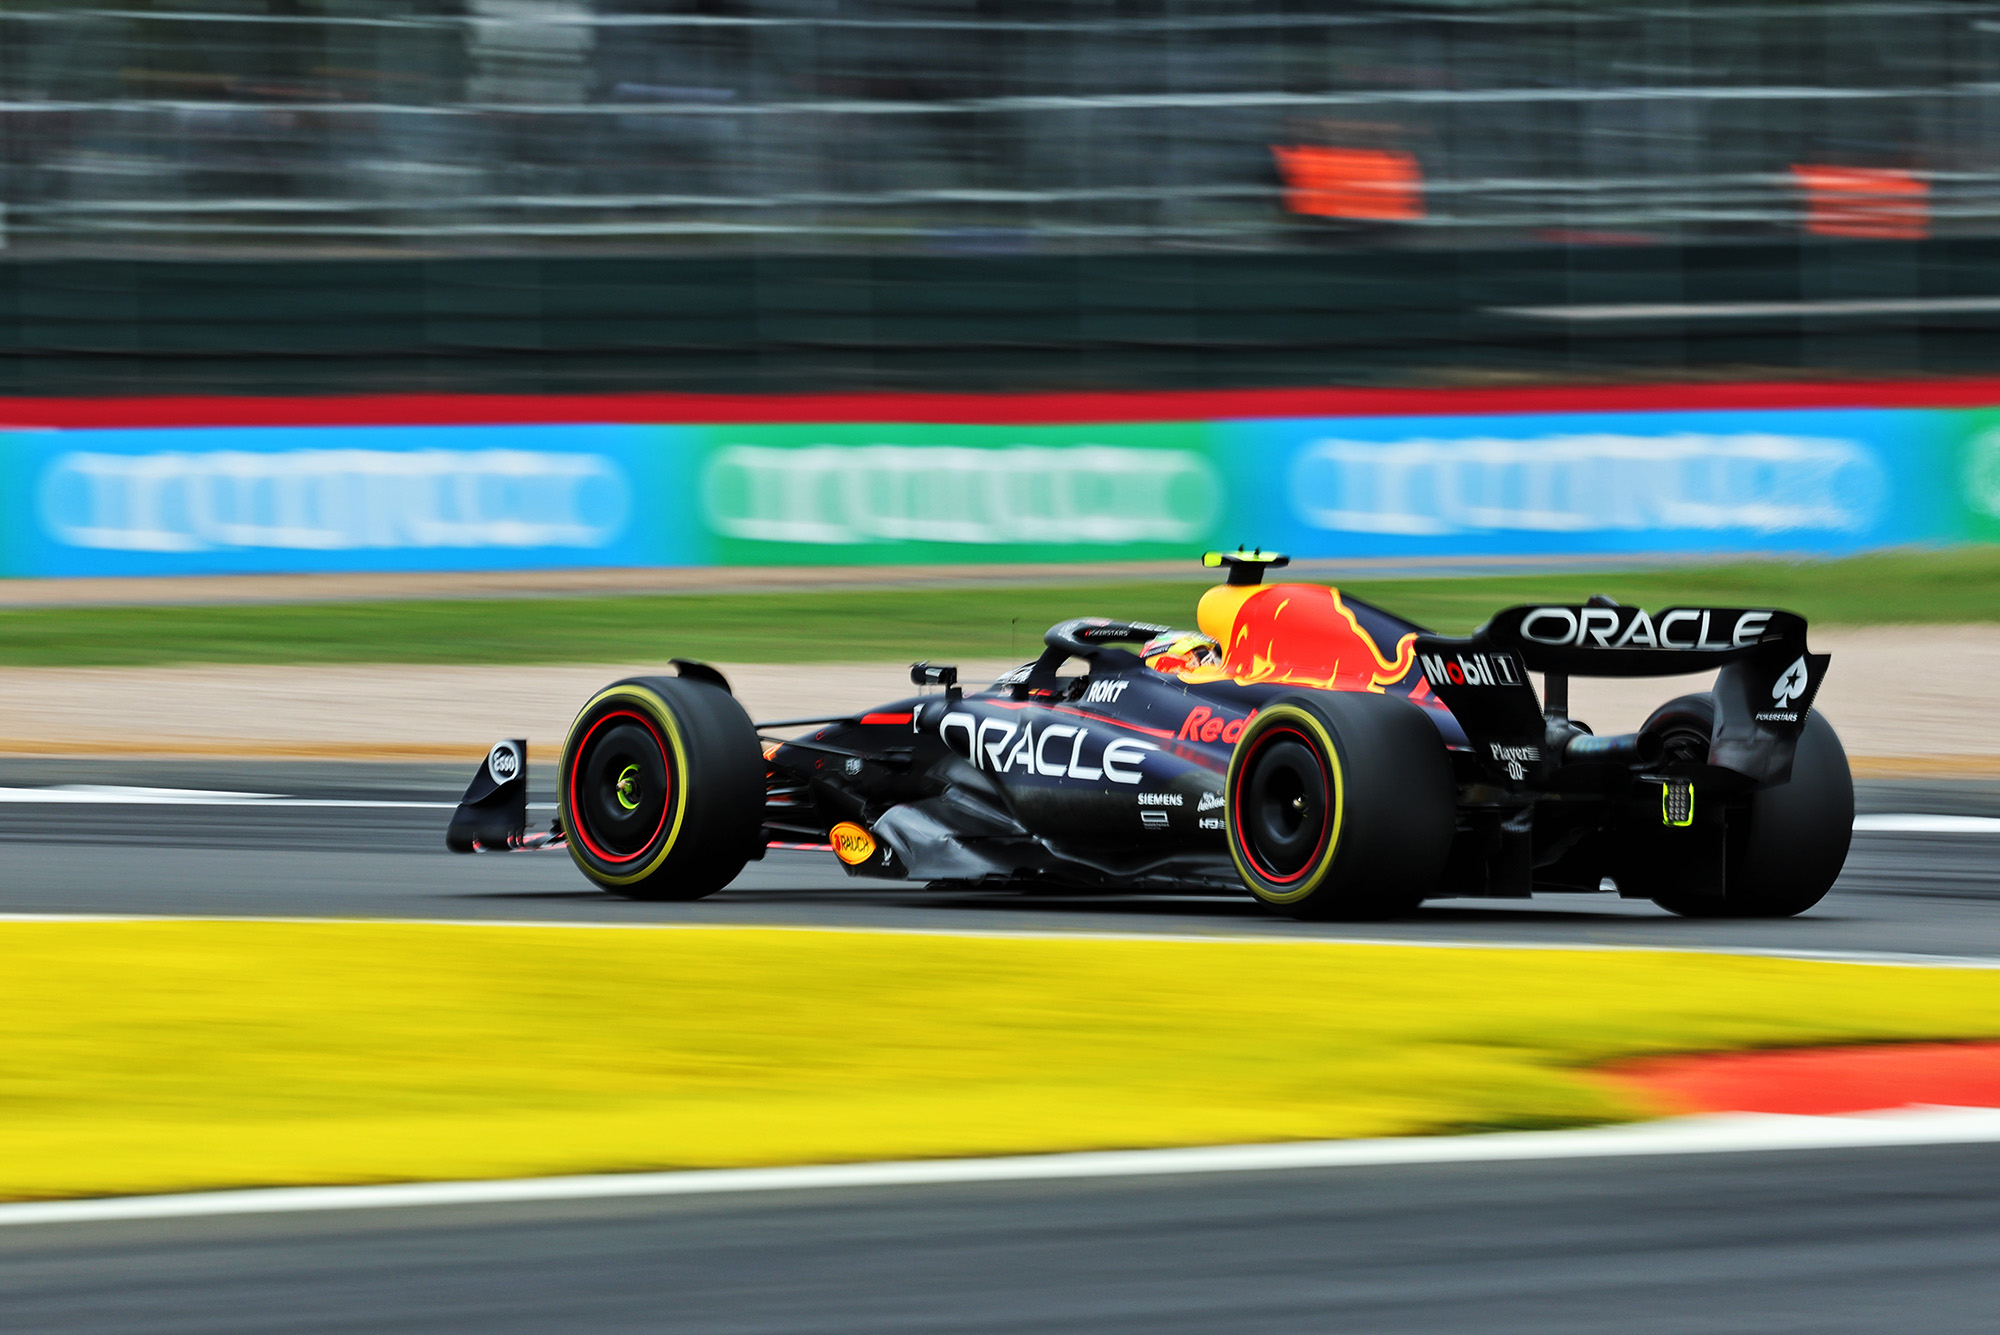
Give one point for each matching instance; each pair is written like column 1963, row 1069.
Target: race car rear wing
column 1766, row 680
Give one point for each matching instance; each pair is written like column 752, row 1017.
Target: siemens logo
column 333, row 500
column 1588, row 482
column 837, row 495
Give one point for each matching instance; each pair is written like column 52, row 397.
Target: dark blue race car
column 1323, row 755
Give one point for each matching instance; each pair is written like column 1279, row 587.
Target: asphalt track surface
column 1858, row 1241
column 1848, row 1241
column 1920, row 894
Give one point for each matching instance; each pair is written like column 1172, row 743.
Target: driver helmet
column 1181, row 651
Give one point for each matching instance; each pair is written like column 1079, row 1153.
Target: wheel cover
column 1283, row 807
column 620, row 786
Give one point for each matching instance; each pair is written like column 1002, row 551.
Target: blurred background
column 310, row 195
column 378, row 380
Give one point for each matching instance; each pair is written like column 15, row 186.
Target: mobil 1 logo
column 1478, row 669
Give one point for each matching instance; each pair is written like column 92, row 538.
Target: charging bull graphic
column 1304, row 635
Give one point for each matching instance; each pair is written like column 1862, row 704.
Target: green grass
column 861, row 625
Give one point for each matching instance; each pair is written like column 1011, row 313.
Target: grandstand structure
column 1104, row 190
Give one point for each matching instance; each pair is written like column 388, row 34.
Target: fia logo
column 503, row 762
column 1792, row 685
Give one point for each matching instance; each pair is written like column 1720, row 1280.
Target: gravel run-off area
column 1917, row 699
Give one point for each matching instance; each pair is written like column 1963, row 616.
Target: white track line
column 1730, row 1134
column 115, row 795
column 110, row 795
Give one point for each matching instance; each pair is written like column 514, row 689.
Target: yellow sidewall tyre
column 661, row 788
column 1340, row 805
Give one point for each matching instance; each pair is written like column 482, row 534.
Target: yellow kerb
column 174, row 1055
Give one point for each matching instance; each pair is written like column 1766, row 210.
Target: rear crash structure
column 1320, row 753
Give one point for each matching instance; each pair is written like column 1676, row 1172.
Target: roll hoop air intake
column 1576, row 746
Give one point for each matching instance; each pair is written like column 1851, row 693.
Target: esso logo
column 503, row 762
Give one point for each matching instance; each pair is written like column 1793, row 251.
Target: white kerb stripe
column 113, row 795
column 1730, row 1134
column 1891, row 823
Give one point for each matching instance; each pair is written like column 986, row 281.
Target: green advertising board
column 1975, row 467
column 868, row 493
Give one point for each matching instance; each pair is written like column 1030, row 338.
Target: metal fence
column 986, row 126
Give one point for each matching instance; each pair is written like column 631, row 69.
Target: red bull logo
column 1304, row 635
column 1205, row 725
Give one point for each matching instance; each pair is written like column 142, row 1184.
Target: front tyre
column 1340, row 805
column 661, row 789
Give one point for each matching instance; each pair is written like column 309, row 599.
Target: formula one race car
column 1328, row 757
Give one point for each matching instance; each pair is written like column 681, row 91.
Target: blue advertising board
column 296, row 499
column 1823, row 481
column 139, row 500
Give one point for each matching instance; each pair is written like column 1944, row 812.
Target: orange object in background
column 1821, row 1081
column 1865, row 201
column 1360, row 184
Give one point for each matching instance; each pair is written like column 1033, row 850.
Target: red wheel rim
column 580, row 826
column 1236, row 806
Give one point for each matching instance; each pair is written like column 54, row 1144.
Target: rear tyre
column 1340, row 805
column 1787, row 848
column 661, row 789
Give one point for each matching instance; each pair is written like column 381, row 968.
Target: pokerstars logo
column 1487, row 669
column 1790, row 686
